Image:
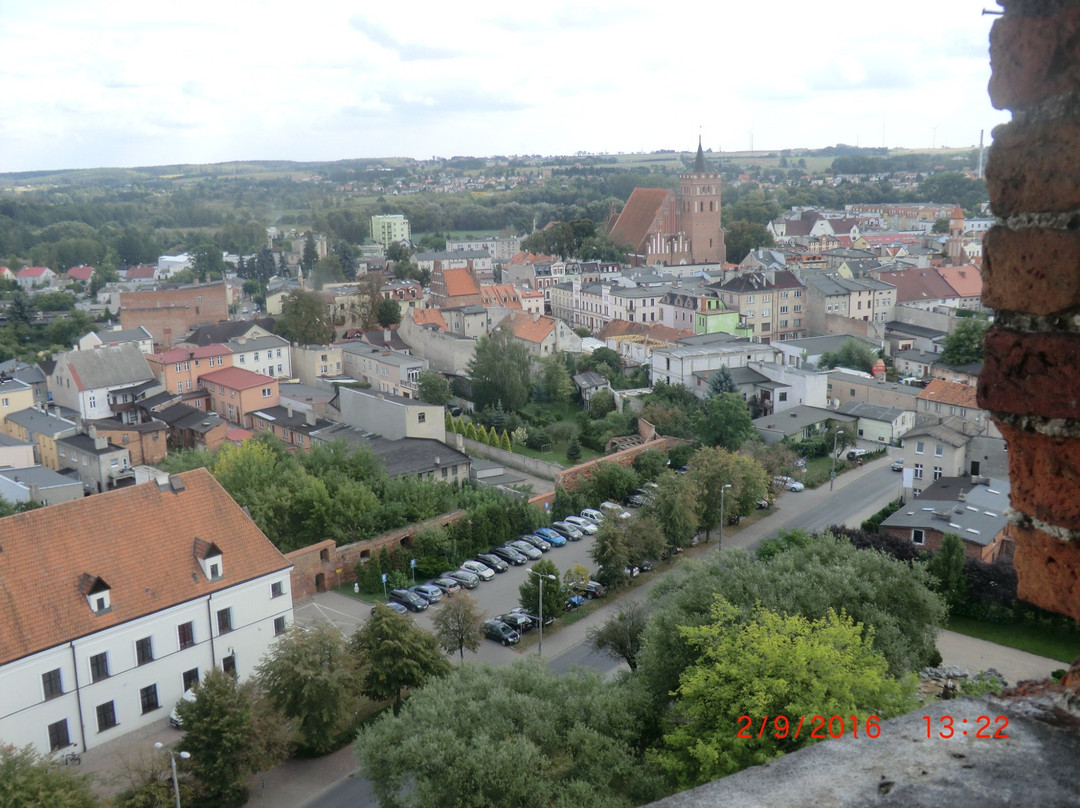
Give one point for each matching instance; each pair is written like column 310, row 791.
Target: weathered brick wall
column 570, row 478
column 337, row 565
column 168, row 314
column 1031, row 375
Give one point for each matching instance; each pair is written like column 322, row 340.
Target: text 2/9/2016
column 983, row 727
column 817, row 727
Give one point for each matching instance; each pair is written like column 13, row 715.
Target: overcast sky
column 87, row 83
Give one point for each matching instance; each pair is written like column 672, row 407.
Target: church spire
column 699, row 161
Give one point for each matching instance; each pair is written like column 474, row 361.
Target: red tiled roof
column 429, row 317
column 637, row 217
column 530, row 258
column 236, row 378
column 459, row 282
column 530, row 327
column 139, row 540
column 80, row 273
column 952, row 393
column 654, row 331
column 140, row 273
column 32, row 272
column 184, row 354
column 917, row 284
column 966, row 280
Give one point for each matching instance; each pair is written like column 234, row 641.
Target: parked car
column 636, row 498
column 573, row 602
column 788, row 484
column 645, row 565
column 568, row 530
column 518, row 622
column 429, row 592
column 540, row 543
column 500, row 632
column 590, row 589
column 397, row 607
column 763, row 504
column 615, row 510
column 410, row 600
column 509, row 555
column 548, row 618
column 582, row 524
column 174, row 716
column 550, row 536
column 493, row 561
column 855, row 454
column 448, row 585
column 479, row 569
column 593, row 515
column 897, row 465
column 525, row 549
column 465, row 579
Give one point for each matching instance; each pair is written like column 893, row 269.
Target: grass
column 557, row 454
column 1043, row 641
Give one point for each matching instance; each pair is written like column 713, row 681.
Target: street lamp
column 723, row 488
column 172, row 761
column 550, row 577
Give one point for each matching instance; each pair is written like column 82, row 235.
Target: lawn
column 1041, row 640
column 556, row 455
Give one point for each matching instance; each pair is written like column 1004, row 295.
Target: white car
column 788, row 484
column 479, row 569
column 592, row 515
column 582, row 524
column 174, row 716
column 617, row 510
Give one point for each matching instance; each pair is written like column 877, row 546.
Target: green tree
column 620, row 636
column 529, row 591
column 675, row 504
column 555, row 381
column 433, row 388
column 965, row 343
column 853, row 353
column 726, row 422
column 219, row 734
column 388, row 312
column 310, row 254
column 940, row 226
column 721, row 382
column 560, row 740
column 947, row 567
column 710, row 469
column 32, row 780
column 741, row 237
column 772, row 665
column 573, row 450
column 650, row 464
column 396, row 655
column 208, row 262
column 21, row 308
column 309, row 676
column 601, row 403
column 458, row 625
column 101, row 278
column 348, row 258
column 500, row 372
column 327, row 270
column 396, row 251
column 305, row 319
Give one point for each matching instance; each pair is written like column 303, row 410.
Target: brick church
column 674, row 227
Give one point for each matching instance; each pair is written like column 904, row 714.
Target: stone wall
column 1031, row 274
column 530, row 465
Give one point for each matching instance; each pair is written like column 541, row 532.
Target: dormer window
column 96, row 592
column 210, row 560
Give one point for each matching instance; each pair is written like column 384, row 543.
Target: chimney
column 100, row 441
column 288, row 409
column 386, row 335
column 92, row 432
column 309, row 417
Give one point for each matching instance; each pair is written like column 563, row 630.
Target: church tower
column 954, row 245
column 699, row 209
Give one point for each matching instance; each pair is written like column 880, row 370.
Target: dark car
column 525, row 549
column 541, row 544
column 410, row 600
column 590, row 589
column 493, row 561
column 516, row 621
column 509, row 555
column 636, row 498
column 429, row 592
column 396, row 607
column 549, row 618
column 897, row 465
column 645, row 565
column 465, row 579
column 448, row 585
column 855, row 454
column 567, row 530
column 500, row 632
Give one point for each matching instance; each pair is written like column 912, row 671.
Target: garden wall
column 530, row 465
column 569, row 478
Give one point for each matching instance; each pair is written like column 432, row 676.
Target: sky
column 116, row 83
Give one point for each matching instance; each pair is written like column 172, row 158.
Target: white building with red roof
column 33, row 277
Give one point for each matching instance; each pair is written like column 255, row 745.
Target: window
column 91, row 400
column 228, row 664
column 919, row 447
column 58, row 735
column 266, row 392
column 279, row 354
column 215, row 572
column 255, row 356
column 783, row 396
column 224, row 621
column 938, row 450
column 6, row 402
column 917, row 536
column 148, row 698
column 277, row 589
column 918, row 471
column 186, row 635
column 144, row 651
column 106, row 716
column 279, row 626
column 242, row 359
column 191, row 678
column 937, row 472
column 51, row 684
column 99, row 666
column 421, row 417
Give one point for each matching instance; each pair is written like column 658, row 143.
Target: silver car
column 482, row 571
column 582, row 524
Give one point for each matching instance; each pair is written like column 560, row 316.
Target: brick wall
column 1031, row 376
column 168, row 314
column 337, row 565
column 570, row 478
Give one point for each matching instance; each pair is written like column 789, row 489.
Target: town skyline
column 121, row 84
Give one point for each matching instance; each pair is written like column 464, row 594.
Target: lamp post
column 723, row 488
column 542, row 576
column 172, row 761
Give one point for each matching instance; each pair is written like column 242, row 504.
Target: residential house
column 409, row 294
column 179, row 369
column 99, row 466
column 967, row 284
column 468, row 321
column 906, row 336
column 959, row 374
column 683, row 362
column 785, row 387
column 270, row 355
column 38, row 485
column 15, row 396
column 235, row 393
column 974, row 508
column 191, row 428
column 145, row 442
column 542, row 335
column 832, row 297
column 318, row 398
column 140, row 275
column 700, row 310
column 390, row 228
column 385, row 370
column 170, row 311
column 103, row 637
column 393, row 417
column 846, row 385
column 456, row 286
column 913, row 363
column 635, row 342
column 32, row 375
column 81, row 273
column 292, row 427
column 103, row 382
column 943, row 398
column 42, row 429
column 798, row 423
column 770, row 304
column 117, row 336
column 34, row 277
column 16, row 453
column 500, row 248
column 878, row 423
column 807, row 352
column 919, row 288
column 589, row 384
column 223, row 332
column 311, row 362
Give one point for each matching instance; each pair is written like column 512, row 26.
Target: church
column 674, row 227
